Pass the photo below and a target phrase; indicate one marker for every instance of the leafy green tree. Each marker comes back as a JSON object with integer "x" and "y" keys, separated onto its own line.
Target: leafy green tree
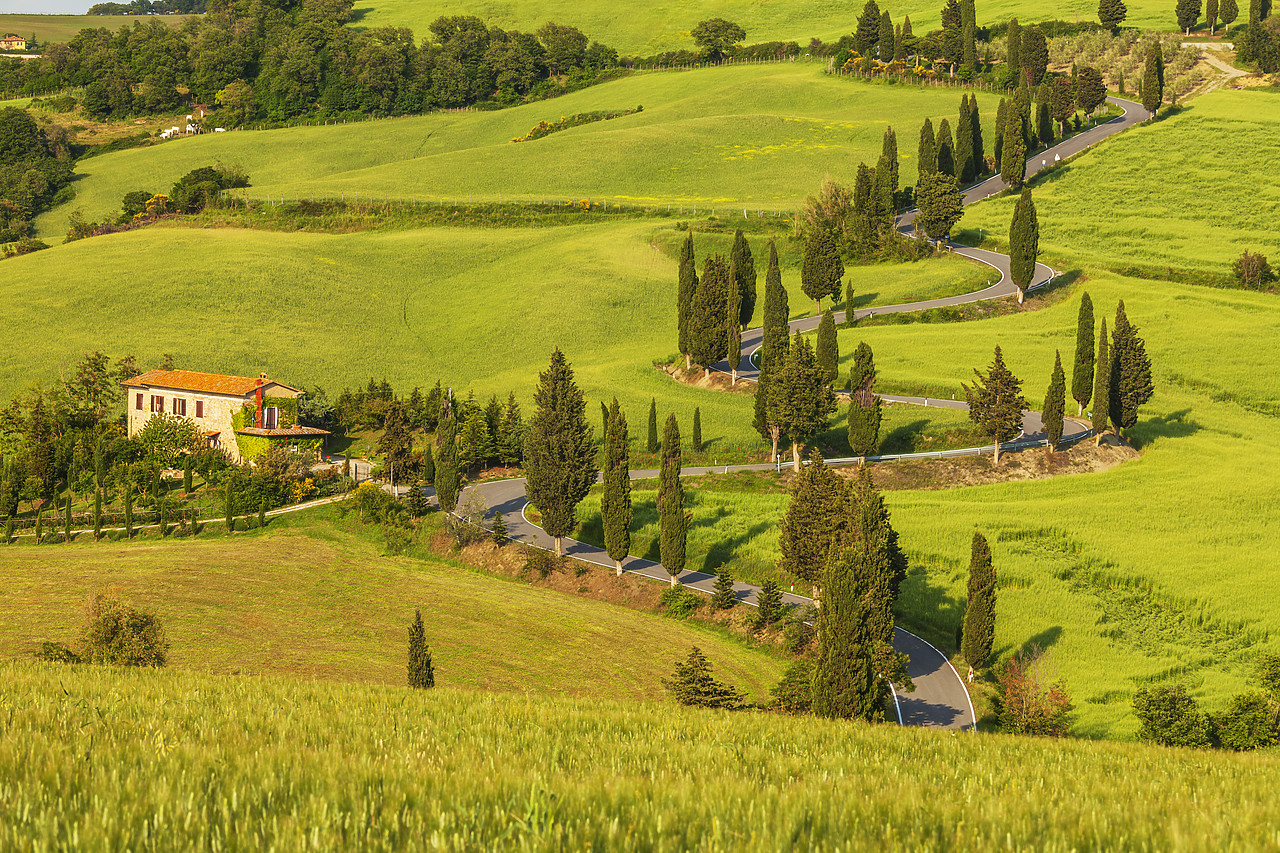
{"x": 979, "y": 630}
{"x": 964, "y": 166}
{"x": 560, "y": 453}
{"x": 651, "y": 438}
{"x": 717, "y": 38}
{"x": 801, "y": 399}
{"x": 1082, "y": 373}
{"x": 421, "y": 672}
{"x": 1228, "y": 11}
{"x": 1024, "y": 243}
{"x": 946, "y": 150}
{"x": 745, "y": 276}
{"x": 1101, "y": 383}
{"x": 693, "y": 685}
{"x": 673, "y": 524}
{"x": 1248, "y": 723}
{"x": 821, "y": 269}
{"x": 996, "y": 403}
{"x": 448, "y": 477}
{"x": 708, "y": 329}
{"x": 768, "y": 605}
{"x": 1170, "y": 717}
{"x": 1152, "y": 87}
{"x": 723, "y": 597}
{"x": 1130, "y": 384}
{"x": 685, "y": 293}
{"x": 615, "y": 502}
{"x": 1253, "y": 270}
{"x": 566, "y": 47}
{"x": 814, "y": 520}
{"x": 941, "y": 205}
{"x": 697, "y": 429}
{"x": 867, "y": 33}
{"x": 1111, "y": 13}
{"x": 1268, "y": 674}
{"x": 926, "y": 153}
{"x": 1188, "y": 12}
{"x": 827, "y": 348}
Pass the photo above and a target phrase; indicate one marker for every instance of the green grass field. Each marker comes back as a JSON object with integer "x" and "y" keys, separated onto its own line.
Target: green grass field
{"x": 648, "y": 29}
{"x": 727, "y": 138}
{"x": 62, "y": 28}
{"x": 1130, "y": 202}
{"x": 312, "y": 597}
{"x": 105, "y": 759}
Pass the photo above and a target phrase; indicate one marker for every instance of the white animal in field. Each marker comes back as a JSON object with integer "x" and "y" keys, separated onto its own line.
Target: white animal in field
{"x": 219, "y": 130}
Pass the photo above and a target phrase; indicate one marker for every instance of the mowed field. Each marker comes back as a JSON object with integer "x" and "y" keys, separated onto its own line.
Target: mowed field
{"x": 313, "y": 597}
{"x": 63, "y": 28}
{"x": 643, "y": 30}
{"x": 1191, "y": 191}
{"x": 756, "y": 137}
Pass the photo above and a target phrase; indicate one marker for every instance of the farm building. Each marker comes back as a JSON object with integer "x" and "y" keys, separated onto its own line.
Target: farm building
{"x": 241, "y": 415}
{"x": 12, "y": 42}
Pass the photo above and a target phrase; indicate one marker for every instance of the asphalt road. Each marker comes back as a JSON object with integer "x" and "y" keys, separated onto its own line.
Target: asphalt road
{"x": 941, "y": 699}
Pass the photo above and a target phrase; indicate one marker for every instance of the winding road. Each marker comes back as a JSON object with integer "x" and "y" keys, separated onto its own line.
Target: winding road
{"x": 940, "y": 699}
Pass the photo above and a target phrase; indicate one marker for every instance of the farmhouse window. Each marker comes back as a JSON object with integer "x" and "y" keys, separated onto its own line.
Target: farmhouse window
{"x": 199, "y": 408}
{"x": 157, "y": 403}
{"x": 179, "y": 407}
{"x": 138, "y": 405}
{"x": 271, "y": 417}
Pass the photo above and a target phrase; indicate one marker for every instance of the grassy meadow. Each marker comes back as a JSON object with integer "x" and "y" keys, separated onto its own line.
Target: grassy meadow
{"x": 1191, "y": 191}
{"x": 649, "y": 29}
{"x": 759, "y": 137}
{"x": 313, "y": 597}
{"x": 63, "y": 28}
{"x": 268, "y": 763}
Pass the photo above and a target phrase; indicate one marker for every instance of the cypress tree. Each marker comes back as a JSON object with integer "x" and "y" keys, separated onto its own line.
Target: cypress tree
{"x": 801, "y": 399}
{"x": 1002, "y": 116}
{"x": 940, "y": 205}
{"x": 745, "y": 275}
{"x": 40, "y": 525}
{"x": 1152, "y": 89}
{"x": 899, "y": 45}
{"x": 865, "y": 237}
{"x": 978, "y": 151}
{"x": 66, "y": 519}
{"x": 97, "y": 514}
{"x": 1188, "y": 12}
{"x": 1024, "y": 243}
{"x": 1111, "y": 13}
{"x": 996, "y": 403}
{"x": 262, "y": 516}
{"x": 651, "y": 439}
{"x": 882, "y": 209}
{"x": 1130, "y": 385}
{"x": 128, "y": 510}
{"x": 908, "y": 39}
{"x": 964, "y": 170}
{"x": 1101, "y": 383}
{"x": 1055, "y": 401}
{"x": 814, "y": 520}
{"x": 672, "y": 523}
{"x": 604, "y": 423}
{"x": 1228, "y": 11}
{"x": 688, "y": 286}
{"x": 429, "y": 463}
{"x": 867, "y": 32}
{"x": 862, "y": 373}
{"x": 869, "y": 521}
{"x": 1035, "y": 55}
{"x": 421, "y": 672}
{"x": 827, "y": 348}
{"x": 1013, "y": 50}
{"x": 560, "y": 452}
{"x": 768, "y": 604}
{"x": 155, "y": 484}
{"x": 844, "y": 672}
{"x": 885, "y": 43}
{"x": 849, "y": 311}
{"x": 448, "y": 478}
{"x": 926, "y": 153}
{"x": 970, "y": 57}
{"x": 822, "y": 269}
{"x": 723, "y": 597}
{"x": 979, "y": 631}
{"x": 733, "y": 331}
{"x": 1013, "y": 150}
{"x": 1044, "y": 124}
{"x": 615, "y": 502}
{"x": 946, "y": 150}
{"x": 186, "y": 474}
{"x": 889, "y": 158}
{"x": 162, "y": 519}
{"x": 697, "y": 429}
{"x": 773, "y": 349}
{"x": 511, "y": 434}
{"x": 864, "y": 425}
{"x": 1082, "y": 373}
{"x": 708, "y": 330}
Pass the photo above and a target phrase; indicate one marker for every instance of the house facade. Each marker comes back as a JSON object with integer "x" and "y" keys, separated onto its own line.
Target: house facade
{"x": 12, "y": 42}
{"x": 240, "y": 415}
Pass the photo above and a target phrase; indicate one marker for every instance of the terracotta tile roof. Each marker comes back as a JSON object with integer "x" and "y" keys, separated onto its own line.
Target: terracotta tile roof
{"x": 209, "y": 383}
{"x": 294, "y": 431}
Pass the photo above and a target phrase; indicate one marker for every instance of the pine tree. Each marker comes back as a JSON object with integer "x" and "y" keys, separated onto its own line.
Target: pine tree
{"x": 773, "y": 349}
{"x": 651, "y": 439}
{"x": 827, "y": 348}
{"x": 1111, "y": 13}
{"x": 979, "y": 631}
{"x": 1130, "y": 383}
{"x": 615, "y": 502}
{"x": 708, "y": 330}
{"x": 745, "y": 275}
{"x": 926, "y": 153}
{"x": 560, "y": 452}
{"x": 448, "y": 478}
{"x": 1055, "y": 401}
{"x": 1024, "y": 243}
{"x": 821, "y": 269}
{"x": 1152, "y": 88}
{"x": 844, "y": 672}
{"x": 684, "y": 296}
{"x": 186, "y": 474}
{"x": 946, "y": 150}
{"x": 768, "y": 604}
{"x": 97, "y": 514}
{"x": 1082, "y": 373}
{"x": 672, "y": 523}
{"x": 801, "y": 399}
{"x": 228, "y": 508}
{"x": 417, "y": 499}
{"x": 723, "y": 597}
{"x": 421, "y": 673}
{"x": 694, "y": 685}
{"x": 1013, "y": 150}
{"x": 814, "y": 519}
{"x": 996, "y": 403}
{"x": 1101, "y": 383}
{"x": 964, "y": 170}
{"x": 867, "y": 32}
{"x": 697, "y": 429}
{"x": 1188, "y": 12}
{"x": 499, "y": 536}
{"x": 733, "y": 331}
{"x": 511, "y": 434}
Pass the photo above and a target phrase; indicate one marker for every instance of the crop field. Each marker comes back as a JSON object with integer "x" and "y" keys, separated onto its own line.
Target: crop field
{"x": 755, "y": 137}
{"x": 312, "y": 597}
{"x": 1191, "y": 191}
{"x": 649, "y": 29}
{"x": 241, "y": 762}
{"x": 62, "y": 28}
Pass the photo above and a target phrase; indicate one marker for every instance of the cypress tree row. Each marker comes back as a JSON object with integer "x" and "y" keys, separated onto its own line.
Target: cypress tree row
{"x": 979, "y": 631}
{"x": 684, "y": 296}
{"x": 708, "y": 329}
{"x": 615, "y": 503}
{"x": 697, "y": 429}
{"x": 801, "y": 399}
{"x": 814, "y": 520}
{"x": 560, "y": 453}
{"x": 822, "y": 269}
{"x": 1024, "y": 243}
{"x": 745, "y": 276}
{"x": 827, "y": 347}
{"x": 651, "y": 438}
{"x": 672, "y": 524}
{"x": 773, "y": 349}
{"x": 996, "y": 403}
{"x": 1130, "y": 383}
{"x": 421, "y": 673}
{"x": 1055, "y": 402}
{"x": 448, "y": 477}
{"x": 964, "y": 170}
{"x": 946, "y": 150}
{"x": 733, "y": 332}
{"x": 1082, "y": 373}
{"x": 1101, "y": 383}
{"x": 927, "y": 153}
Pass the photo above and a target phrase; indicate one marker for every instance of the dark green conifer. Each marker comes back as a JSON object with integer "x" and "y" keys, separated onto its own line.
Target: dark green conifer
{"x": 979, "y": 631}
{"x": 768, "y": 604}
{"x": 978, "y": 151}
{"x": 560, "y": 452}
{"x": 745, "y": 275}
{"x": 128, "y": 510}
{"x": 964, "y": 170}
{"x": 1013, "y": 150}
{"x": 814, "y": 519}
{"x": 827, "y": 347}
{"x": 1044, "y": 124}
{"x": 262, "y": 516}
{"x": 773, "y": 349}
{"x": 865, "y": 237}
{"x": 651, "y": 438}
{"x": 615, "y": 502}
{"x": 844, "y": 672}
{"x": 1130, "y": 383}
{"x": 926, "y": 153}
{"x": 889, "y": 158}
{"x": 867, "y": 32}
{"x": 884, "y": 44}
{"x": 693, "y": 685}
{"x": 821, "y": 269}
{"x": 708, "y": 331}
{"x": 801, "y": 399}
{"x": 723, "y": 597}
{"x": 1035, "y": 55}
{"x": 672, "y": 523}
{"x": 1082, "y": 373}
{"x": 1024, "y": 243}
{"x": 946, "y": 150}
{"x": 1101, "y": 383}
{"x": 417, "y": 498}
{"x": 1055, "y": 401}
{"x": 1152, "y": 87}
{"x": 688, "y": 286}
{"x": 186, "y": 474}
{"x": 448, "y": 477}
{"x": 996, "y": 403}
{"x": 869, "y": 520}
{"x": 733, "y": 331}
{"x": 697, "y": 429}
{"x": 499, "y": 536}
{"x": 864, "y": 425}
{"x": 421, "y": 672}
{"x": 66, "y": 519}
{"x": 40, "y": 525}
{"x": 1002, "y": 115}
{"x": 1013, "y": 52}
{"x": 429, "y": 463}
{"x": 1111, "y": 13}
{"x": 97, "y": 514}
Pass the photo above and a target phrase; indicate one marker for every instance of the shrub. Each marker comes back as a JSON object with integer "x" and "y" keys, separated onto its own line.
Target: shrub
{"x": 115, "y": 633}
{"x": 538, "y": 561}
{"x": 1269, "y": 675}
{"x": 797, "y": 630}
{"x": 1252, "y": 270}
{"x": 1248, "y": 723}
{"x": 1028, "y": 702}
{"x": 680, "y": 602}
{"x": 1170, "y": 717}
{"x": 694, "y": 685}
{"x": 57, "y": 653}
{"x": 396, "y": 538}
{"x": 794, "y": 693}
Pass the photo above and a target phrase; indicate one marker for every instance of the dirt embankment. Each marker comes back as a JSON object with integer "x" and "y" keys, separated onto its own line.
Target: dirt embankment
{"x": 713, "y": 381}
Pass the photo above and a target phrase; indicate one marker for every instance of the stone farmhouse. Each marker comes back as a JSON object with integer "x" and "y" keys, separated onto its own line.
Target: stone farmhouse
{"x": 12, "y": 42}
{"x": 242, "y": 416}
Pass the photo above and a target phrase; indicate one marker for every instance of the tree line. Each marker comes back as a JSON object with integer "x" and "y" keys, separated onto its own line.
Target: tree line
{"x": 32, "y": 173}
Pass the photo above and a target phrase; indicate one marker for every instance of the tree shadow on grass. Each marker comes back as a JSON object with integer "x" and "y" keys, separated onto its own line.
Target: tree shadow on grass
{"x": 929, "y": 609}
{"x": 1042, "y": 642}
{"x": 721, "y": 553}
{"x": 1172, "y": 425}
{"x": 903, "y": 439}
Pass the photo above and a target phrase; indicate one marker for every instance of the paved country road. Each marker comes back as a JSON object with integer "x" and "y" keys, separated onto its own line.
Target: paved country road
{"x": 940, "y": 699}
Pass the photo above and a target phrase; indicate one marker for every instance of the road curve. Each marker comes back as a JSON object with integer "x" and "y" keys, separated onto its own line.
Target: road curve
{"x": 941, "y": 699}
